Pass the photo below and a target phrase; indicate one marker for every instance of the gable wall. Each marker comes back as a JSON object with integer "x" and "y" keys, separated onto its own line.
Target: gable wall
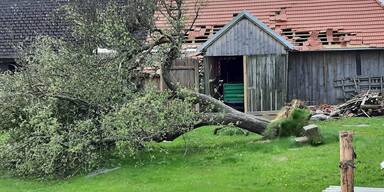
{"x": 245, "y": 38}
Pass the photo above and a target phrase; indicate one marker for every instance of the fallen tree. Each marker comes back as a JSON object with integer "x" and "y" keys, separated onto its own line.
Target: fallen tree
{"x": 67, "y": 110}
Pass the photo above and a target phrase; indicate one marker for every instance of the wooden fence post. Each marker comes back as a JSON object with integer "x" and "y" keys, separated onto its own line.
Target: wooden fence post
{"x": 347, "y": 156}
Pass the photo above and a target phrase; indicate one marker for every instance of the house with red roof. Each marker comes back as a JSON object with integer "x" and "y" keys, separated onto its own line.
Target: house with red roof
{"x": 260, "y": 54}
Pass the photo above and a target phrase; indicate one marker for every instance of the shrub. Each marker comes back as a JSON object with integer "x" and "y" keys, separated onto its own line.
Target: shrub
{"x": 290, "y": 126}
{"x": 66, "y": 111}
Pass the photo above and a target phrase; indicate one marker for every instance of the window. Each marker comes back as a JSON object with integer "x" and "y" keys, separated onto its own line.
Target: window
{"x": 358, "y": 63}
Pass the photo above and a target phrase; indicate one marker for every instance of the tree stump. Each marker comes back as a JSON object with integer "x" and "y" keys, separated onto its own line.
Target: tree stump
{"x": 313, "y": 134}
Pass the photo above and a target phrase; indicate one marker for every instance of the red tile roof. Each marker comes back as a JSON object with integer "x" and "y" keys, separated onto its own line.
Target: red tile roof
{"x": 308, "y": 24}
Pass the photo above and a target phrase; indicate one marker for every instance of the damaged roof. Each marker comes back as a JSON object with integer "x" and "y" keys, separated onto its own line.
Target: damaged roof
{"x": 307, "y": 24}
{"x": 23, "y": 20}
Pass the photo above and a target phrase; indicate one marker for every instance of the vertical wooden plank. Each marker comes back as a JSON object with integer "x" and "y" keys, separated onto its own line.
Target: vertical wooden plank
{"x": 291, "y": 74}
{"x": 265, "y": 92}
{"x": 330, "y": 63}
{"x": 245, "y": 36}
{"x": 245, "y": 80}
{"x": 323, "y": 71}
{"x": 285, "y": 84}
{"x": 271, "y": 77}
{"x": 346, "y": 161}
{"x": 256, "y": 74}
{"x": 303, "y": 81}
{"x": 299, "y": 61}
{"x": 196, "y": 75}
{"x": 207, "y": 69}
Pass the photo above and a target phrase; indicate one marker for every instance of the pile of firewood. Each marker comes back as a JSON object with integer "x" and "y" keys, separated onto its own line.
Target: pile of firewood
{"x": 367, "y": 104}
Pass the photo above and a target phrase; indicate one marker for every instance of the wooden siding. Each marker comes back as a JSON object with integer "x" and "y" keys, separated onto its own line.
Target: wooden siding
{"x": 245, "y": 38}
{"x": 211, "y": 72}
{"x": 185, "y": 71}
{"x": 267, "y": 87}
{"x": 312, "y": 74}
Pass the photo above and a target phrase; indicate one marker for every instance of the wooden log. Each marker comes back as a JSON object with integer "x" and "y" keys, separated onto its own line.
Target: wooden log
{"x": 371, "y": 106}
{"x": 302, "y": 140}
{"x": 346, "y": 161}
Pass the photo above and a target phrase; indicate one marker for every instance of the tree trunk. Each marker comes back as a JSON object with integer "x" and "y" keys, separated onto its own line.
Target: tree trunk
{"x": 238, "y": 119}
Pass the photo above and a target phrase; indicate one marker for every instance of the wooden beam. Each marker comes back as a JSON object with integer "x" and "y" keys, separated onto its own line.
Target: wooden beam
{"x": 207, "y": 75}
{"x": 245, "y": 77}
{"x": 347, "y": 156}
{"x": 161, "y": 82}
{"x": 196, "y": 73}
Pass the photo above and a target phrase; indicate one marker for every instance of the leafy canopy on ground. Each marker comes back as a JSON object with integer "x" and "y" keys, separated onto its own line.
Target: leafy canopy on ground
{"x": 208, "y": 162}
{"x": 67, "y": 110}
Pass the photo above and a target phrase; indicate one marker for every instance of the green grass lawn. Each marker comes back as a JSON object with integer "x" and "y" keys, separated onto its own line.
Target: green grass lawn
{"x": 201, "y": 161}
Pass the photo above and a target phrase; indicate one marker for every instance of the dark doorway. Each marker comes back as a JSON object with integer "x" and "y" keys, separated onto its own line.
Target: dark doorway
{"x": 231, "y": 69}
{"x": 228, "y": 84}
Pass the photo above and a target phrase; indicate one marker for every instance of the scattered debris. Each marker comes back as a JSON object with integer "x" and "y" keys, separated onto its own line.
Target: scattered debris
{"x": 102, "y": 171}
{"x": 362, "y": 105}
{"x": 320, "y": 117}
{"x": 322, "y": 112}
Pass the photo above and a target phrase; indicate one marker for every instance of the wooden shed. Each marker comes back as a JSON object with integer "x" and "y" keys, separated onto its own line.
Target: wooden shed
{"x": 246, "y": 65}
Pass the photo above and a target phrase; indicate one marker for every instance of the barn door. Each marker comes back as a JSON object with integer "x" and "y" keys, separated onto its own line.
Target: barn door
{"x": 266, "y": 82}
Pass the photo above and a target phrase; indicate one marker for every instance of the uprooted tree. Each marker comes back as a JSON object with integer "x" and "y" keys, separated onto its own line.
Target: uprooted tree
{"x": 67, "y": 110}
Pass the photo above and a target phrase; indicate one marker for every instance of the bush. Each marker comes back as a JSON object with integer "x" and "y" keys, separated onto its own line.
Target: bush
{"x": 291, "y": 126}
{"x": 65, "y": 112}
{"x": 41, "y": 145}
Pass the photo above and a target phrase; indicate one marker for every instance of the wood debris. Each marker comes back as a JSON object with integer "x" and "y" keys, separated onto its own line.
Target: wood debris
{"x": 362, "y": 105}
{"x": 366, "y": 104}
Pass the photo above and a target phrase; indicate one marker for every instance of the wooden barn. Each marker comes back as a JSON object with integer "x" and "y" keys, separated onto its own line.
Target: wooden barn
{"x": 318, "y": 51}
{"x": 255, "y": 69}
{"x": 251, "y": 61}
